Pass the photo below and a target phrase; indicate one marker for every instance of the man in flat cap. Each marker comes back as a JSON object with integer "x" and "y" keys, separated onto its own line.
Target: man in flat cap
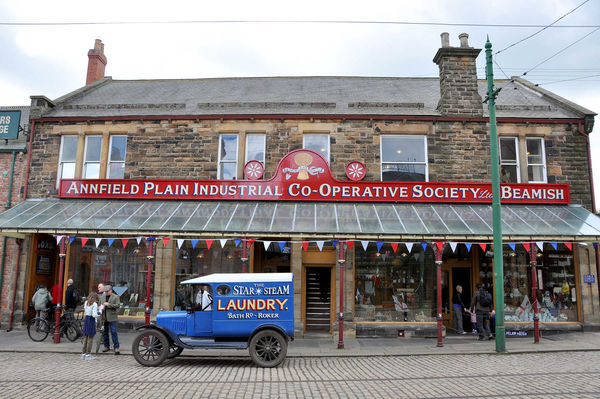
{"x": 111, "y": 304}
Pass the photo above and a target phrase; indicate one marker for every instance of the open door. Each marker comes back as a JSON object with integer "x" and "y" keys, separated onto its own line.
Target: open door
{"x": 455, "y": 273}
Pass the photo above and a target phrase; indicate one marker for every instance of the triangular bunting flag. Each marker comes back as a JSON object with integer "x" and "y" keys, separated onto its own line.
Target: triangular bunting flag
{"x": 569, "y": 245}
{"x": 150, "y": 239}
{"x": 165, "y": 241}
{"x": 394, "y": 246}
{"x": 194, "y": 243}
{"x": 554, "y": 245}
{"x": 281, "y": 245}
{"x": 267, "y": 244}
{"x": 71, "y": 239}
{"x": 208, "y": 243}
{"x": 320, "y": 245}
{"x": 379, "y": 245}
{"x": 350, "y": 245}
{"x": 179, "y": 242}
{"x": 237, "y": 242}
{"x": 305, "y": 245}
{"x": 365, "y": 244}
{"x": 138, "y": 239}
{"x": 110, "y": 241}
{"x": 540, "y": 245}
{"x": 84, "y": 241}
{"x": 439, "y": 245}
{"x": 453, "y": 246}
{"x": 59, "y": 239}
{"x": 334, "y": 243}
{"x": 595, "y": 245}
{"x": 512, "y": 246}
{"x": 468, "y": 245}
{"x": 250, "y": 242}
{"x": 526, "y": 246}
{"x": 424, "y": 245}
{"x": 97, "y": 241}
{"x": 124, "y": 241}
{"x": 483, "y": 246}
{"x": 223, "y": 241}
{"x": 409, "y": 246}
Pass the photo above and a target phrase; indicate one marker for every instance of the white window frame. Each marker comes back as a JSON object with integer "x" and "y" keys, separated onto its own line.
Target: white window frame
{"x": 327, "y": 135}
{"x": 85, "y": 162}
{"x": 237, "y": 145}
{"x": 108, "y": 161}
{"x": 59, "y": 173}
{"x": 543, "y": 164}
{"x": 517, "y": 156}
{"x": 426, "y": 163}
{"x": 264, "y": 138}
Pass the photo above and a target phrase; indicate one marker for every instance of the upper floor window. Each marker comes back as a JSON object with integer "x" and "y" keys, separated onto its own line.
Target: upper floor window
{"x": 318, "y": 142}
{"x": 91, "y": 157}
{"x": 228, "y": 157}
{"x": 509, "y": 160}
{"x": 255, "y": 148}
{"x": 116, "y": 157}
{"x": 68, "y": 157}
{"x": 536, "y": 160}
{"x": 404, "y": 158}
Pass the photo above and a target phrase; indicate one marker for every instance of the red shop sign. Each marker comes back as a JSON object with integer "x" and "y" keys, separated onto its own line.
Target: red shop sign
{"x": 304, "y": 175}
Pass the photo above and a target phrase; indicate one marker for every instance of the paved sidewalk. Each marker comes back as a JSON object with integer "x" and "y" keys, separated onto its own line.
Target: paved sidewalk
{"x": 323, "y": 346}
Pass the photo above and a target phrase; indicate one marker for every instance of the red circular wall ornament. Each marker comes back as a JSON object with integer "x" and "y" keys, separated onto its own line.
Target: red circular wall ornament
{"x": 356, "y": 171}
{"x": 254, "y": 170}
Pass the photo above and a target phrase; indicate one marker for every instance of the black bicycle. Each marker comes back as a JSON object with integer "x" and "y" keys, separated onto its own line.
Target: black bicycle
{"x": 39, "y": 328}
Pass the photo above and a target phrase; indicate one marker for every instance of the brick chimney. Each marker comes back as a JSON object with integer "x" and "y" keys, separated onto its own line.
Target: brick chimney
{"x": 96, "y": 63}
{"x": 458, "y": 78}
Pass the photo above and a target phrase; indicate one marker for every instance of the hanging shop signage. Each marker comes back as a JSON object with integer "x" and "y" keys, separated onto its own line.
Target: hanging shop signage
{"x": 9, "y": 124}
{"x": 304, "y": 175}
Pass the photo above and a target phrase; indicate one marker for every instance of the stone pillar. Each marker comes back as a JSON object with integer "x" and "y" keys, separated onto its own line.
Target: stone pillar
{"x": 459, "y": 95}
{"x": 296, "y": 268}
{"x": 163, "y": 276}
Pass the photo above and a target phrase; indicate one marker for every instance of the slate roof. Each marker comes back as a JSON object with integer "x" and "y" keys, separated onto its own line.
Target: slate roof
{"x": 296, "y": 95}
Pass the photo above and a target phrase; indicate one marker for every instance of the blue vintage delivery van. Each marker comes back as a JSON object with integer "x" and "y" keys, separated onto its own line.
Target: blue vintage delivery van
{"x": 229, "y": 310}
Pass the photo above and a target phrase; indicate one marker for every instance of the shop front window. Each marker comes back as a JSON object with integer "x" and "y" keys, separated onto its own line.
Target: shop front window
{"x": 556, "y": 291}
{"x": 199, "y": 260}
{"x": 394, "y": 286}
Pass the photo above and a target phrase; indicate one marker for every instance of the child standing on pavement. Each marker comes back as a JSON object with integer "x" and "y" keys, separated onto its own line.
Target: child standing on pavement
{"x": 89, "y": 324}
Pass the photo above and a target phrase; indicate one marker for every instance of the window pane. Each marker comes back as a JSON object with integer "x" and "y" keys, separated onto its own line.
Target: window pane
{"x": 116, "y": 170}
{"x": 534, "y": 147}
{"x": 69, "y": 148}
{"x": 402, "y": 149}
{"x": 318, "y": 143}
{"x": 508, "y": 173}
{"x": 92, "y": 149}
{"x": 91, "y": 171}
{"x": 68, "y": 170}
{"x": 403, "y": 172}
{"x": 118, "y": 148}
{"x": 508, "y": 151}
{"x": 255, "y": 147}
{"x": 228, "y": 171}
{"x": 535, "y": 173}
{"x": 228, "y": 148}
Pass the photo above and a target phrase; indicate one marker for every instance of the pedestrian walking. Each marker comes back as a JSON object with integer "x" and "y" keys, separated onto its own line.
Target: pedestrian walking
{"x": 89, "y": 324}
{"x": 100, "y": 323}
{"x": 457, "y": 307}
{"x": 482, "y": 303}
{"x": 111, "y": 304}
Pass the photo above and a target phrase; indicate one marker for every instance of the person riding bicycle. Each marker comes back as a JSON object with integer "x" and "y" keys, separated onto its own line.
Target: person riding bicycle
{"x": 41, "y": 300}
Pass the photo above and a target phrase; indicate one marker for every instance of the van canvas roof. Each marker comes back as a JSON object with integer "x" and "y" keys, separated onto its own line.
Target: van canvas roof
{"x": 241, "y": 278}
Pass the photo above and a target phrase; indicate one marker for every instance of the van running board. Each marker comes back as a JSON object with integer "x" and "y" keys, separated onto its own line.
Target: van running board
{"x": 211, "y": 344}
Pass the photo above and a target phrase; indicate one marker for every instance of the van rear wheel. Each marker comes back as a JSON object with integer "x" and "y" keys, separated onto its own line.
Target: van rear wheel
{"x": 150, "y": 348}
{"x": 268, "y": 348}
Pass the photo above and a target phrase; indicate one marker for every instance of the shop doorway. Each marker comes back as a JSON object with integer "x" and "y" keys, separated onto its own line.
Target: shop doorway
{"x": 456, "y": 273}
{"x": 318, "y": 299}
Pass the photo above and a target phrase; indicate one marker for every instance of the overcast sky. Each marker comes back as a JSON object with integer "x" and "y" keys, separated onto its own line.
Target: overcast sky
{"x": 52, "y": 60}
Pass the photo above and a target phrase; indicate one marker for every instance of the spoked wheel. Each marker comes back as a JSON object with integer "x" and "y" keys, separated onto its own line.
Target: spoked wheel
{"x": 38, "y": 329}
{"x": 268, "y": 348}
{"x": 72, "y": 332}
{"x": 150, "y": 348}
{"x": 174, "y": 351}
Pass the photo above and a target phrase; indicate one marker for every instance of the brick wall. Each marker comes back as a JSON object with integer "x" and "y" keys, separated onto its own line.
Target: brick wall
{"x": 187, "y": 149}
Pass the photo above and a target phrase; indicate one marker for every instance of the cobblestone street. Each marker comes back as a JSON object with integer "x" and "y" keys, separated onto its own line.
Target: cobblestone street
{"x": 538, "y": 375}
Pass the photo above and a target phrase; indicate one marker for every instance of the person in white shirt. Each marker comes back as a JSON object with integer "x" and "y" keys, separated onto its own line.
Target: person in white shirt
{"x": 204, "y": 298}
{"x": 89, "y": 324}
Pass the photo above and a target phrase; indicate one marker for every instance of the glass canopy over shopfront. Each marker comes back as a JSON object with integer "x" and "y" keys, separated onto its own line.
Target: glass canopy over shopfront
{"x": 402, "y": 221}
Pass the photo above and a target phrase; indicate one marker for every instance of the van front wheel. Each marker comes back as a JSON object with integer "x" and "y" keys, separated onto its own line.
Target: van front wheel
{"x": 268, "y": 348}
